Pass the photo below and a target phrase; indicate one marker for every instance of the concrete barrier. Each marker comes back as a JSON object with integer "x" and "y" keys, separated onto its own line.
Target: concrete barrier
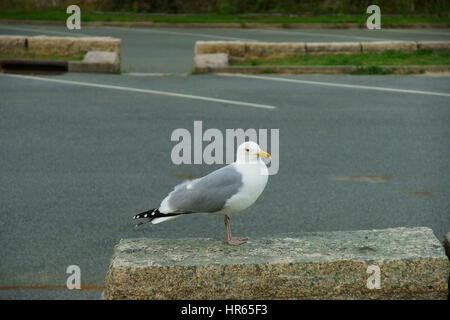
{"x": 12, "y": 44}
{"x": 248, "y": 50}
{"x": 241, "y": 50}
{"x": 102, "y": 54}
{"x": 96, "y": 61}
{"x": 48, "y": 46}
{"x": 43, "y": 45}
{"x": 410, "y": 263}
{"x": 434, "y": 45}
{"x": 219, "y": 60}
{"x": 328, "y": 48}
{"x": 231, "y": 48}
{"x": 380, "y": 46}
{"x": 274, "y": 50}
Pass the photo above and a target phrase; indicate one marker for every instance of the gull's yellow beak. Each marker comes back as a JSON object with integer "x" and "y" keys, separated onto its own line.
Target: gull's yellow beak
{"x": 263, "y": 154}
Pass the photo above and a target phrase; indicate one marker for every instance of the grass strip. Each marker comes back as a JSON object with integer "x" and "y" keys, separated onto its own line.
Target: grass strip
{"x": 394, "y": 58}
{"x": 243, "y": 19}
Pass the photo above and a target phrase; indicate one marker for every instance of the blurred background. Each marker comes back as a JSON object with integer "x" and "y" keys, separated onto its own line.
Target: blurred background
{"x": 243, "y": 11}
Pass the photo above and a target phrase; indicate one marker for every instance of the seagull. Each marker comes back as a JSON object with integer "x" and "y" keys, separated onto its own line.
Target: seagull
{"x": 228, "y": 190}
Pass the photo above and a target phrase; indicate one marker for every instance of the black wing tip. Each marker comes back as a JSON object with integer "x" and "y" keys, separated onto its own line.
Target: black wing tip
{"x": 153, "y": 214}
{"x": 146, "y": 214}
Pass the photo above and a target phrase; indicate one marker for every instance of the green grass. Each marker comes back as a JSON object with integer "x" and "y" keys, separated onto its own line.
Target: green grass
{"x": 420, "y": 57}
{"x": 242, "y": 19}
{"x": 77, "y": 57}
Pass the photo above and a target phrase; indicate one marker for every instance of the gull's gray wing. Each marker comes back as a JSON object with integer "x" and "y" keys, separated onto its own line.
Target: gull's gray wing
{"x": 206, "y": 194}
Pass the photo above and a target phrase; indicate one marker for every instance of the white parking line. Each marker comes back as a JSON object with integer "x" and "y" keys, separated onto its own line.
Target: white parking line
{"x": 44, "y": 31}
{"x": 192, "y": 34}
{"x": 341, "y": 85}
{"x": 164, "y": 93}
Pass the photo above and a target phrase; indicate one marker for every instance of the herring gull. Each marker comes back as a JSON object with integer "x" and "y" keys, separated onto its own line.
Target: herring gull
{"x": 227, "y": 190}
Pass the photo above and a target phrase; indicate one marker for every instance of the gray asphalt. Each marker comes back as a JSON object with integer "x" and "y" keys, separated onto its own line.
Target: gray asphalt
{"x": 78, "y": 162}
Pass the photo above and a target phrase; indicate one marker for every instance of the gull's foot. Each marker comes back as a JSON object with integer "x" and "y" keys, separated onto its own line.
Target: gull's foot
{"x": 236, "y": 241}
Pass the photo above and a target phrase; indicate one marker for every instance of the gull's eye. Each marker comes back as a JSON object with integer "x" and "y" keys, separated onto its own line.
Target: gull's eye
{"x": 247, "y": 150}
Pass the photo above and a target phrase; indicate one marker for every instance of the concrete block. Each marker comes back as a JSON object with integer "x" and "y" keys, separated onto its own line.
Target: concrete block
{"x": 317, "y": 265}
{"x": 101, "y": 57}
{"x": 98, "y": 44}
{"x": 380, "y": 46}
{"x": 232, "y": 48}
{"x": 80, "y": 66}
{"x": 45, "y": 46}
{"x": 434, "y": 45}
{"x": 12, "y": 44}
{"x": 329, "y": 48}
{"x": 219, "y": 60}
{"x": 97, "y": 61}
{"x": 274, "y": 49}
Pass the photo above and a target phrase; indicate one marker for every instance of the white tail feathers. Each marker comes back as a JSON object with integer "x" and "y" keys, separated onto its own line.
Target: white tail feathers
{"x": 162, "y": 219}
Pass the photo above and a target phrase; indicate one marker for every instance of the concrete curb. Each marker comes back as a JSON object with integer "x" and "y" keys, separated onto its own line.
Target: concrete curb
{"x": 102, "y": 54}
{"x": 319, "y": 69}
{"x": 324, "y": 48}
{"x": 145, "y": 24}
{"x": 319, "y": 265}
{"x": 247, "y": 50}
{"x": 97, "y": 61}
{"x": 48, "y": 46}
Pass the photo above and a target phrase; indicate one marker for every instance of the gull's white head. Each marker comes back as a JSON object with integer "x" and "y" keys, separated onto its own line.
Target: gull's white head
{"x": 250, "y": 152}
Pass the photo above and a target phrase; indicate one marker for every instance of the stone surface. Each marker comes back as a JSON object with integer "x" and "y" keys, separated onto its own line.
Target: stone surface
{"x": 97, "y": 61}
{"x": 434, "y": 45}
{"x": 101, "y": 57}
{"x": 102, "y": 53}
{"x": 47, "y": 46}
{"x": 101, "y": 67}
{"x": 319, "y": 48}
{"x": 319, "y": 265}
{"x": 219, "y": 60}
{"x": 232, "y": 48}
{"x": 274, "y": 49}
{"x": 12, "y": 44}
{"x": 380, "y": 46}
{"x": 240, "y": 50}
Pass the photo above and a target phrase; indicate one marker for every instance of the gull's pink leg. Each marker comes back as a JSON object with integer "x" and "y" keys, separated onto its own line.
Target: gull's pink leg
{"x": 228, "y": 238}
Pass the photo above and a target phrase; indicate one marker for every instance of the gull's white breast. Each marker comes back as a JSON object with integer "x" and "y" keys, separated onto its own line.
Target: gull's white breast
{"x": 254, "y": 180}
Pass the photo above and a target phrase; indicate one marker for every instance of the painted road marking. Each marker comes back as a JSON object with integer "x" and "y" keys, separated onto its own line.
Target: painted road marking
{"x": 341, "y": 85}
{"x": 164, "y": 93}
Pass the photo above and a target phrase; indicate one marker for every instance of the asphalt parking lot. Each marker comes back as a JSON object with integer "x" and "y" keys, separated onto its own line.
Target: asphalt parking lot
{"x": 82, "y": 153}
